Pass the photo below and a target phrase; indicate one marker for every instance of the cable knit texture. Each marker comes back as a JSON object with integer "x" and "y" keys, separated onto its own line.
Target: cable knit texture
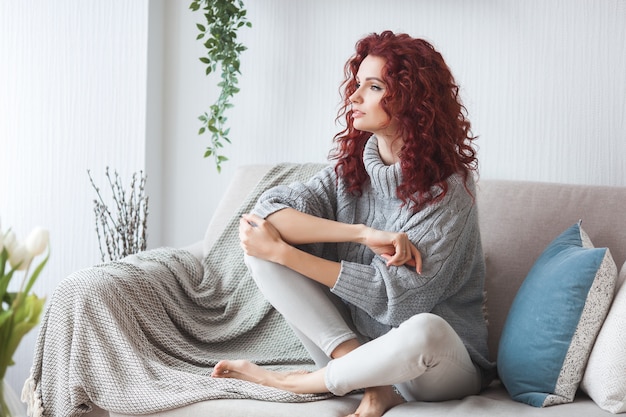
{"x": 446, "y": 234}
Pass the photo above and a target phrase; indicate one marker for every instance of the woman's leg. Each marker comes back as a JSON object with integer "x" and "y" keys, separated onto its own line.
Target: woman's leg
{"x": 318, "y": 317}
{"x": 424, "y": 358}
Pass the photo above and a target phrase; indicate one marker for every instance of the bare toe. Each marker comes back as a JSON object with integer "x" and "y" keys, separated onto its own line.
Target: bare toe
{"x": 222, "y": 369}
{"x": 376, "y": 401}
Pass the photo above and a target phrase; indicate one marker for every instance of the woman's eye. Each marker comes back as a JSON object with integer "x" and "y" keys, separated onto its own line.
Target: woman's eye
{"x": 375, "y": 87}
{"x": 358, "y": 85}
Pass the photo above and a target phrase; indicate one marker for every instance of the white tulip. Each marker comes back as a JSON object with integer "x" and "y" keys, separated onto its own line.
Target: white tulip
{"x": 10, "y": 241}
{"x": 20, "y": 257}
{"x": 1, "y": 240}
{"x": 37, "y": 241}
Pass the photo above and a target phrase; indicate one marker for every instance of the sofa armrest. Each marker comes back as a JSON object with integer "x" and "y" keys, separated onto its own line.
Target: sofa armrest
{"x": 196, "y": 249}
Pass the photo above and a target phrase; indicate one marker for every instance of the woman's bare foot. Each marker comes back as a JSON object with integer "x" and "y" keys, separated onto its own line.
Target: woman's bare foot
{"x": 246, "y": 371}
{"x": 299, "y": 382}
{"x": 376, "y": 401}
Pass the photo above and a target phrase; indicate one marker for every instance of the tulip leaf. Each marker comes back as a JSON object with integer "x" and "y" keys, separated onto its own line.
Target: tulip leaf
{"x": 3, "y": 261}
{"x": 36, "y": 273}
{"x": 4, "y": 316}
{"x": 4, "y": 284}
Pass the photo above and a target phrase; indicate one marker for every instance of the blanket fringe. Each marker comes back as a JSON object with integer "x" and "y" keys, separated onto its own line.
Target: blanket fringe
{"x": 32, "y": 398}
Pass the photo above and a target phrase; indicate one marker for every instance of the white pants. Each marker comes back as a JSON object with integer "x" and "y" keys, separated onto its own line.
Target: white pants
{"x": 424, "y": 357}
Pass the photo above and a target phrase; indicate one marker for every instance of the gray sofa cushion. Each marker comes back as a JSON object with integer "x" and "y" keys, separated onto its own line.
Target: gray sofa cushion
{"x": 493, "y": 402}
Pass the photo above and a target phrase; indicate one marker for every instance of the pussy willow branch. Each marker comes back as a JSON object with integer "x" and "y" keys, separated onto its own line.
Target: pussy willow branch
{"x": 124, "y": 233}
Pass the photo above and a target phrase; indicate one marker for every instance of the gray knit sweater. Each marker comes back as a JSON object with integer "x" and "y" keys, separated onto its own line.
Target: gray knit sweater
{"x": 381, "y": 297}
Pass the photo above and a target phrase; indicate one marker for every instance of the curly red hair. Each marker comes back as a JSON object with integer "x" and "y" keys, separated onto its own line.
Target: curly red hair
{"x": 423, "y": 98}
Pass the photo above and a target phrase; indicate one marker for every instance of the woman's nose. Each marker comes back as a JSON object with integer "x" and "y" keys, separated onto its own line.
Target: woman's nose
{"x": 355, "y": 97}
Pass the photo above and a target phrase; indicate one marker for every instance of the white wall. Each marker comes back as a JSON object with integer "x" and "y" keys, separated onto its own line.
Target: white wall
{"x": 544, "y": 83}
{"x": 72, "y": 98}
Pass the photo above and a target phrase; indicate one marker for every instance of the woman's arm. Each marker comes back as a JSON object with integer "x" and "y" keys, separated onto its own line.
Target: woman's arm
{"x": 272, "y": 239}
{"x": 298, "y": 228}
{"x": 259, "y": 238}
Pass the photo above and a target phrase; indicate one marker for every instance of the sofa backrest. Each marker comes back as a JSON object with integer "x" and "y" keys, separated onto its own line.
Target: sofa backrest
{"x": 518, "y": 219}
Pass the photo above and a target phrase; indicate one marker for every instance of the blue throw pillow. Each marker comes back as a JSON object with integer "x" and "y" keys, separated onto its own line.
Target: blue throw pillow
{"x": 554, "y": 320}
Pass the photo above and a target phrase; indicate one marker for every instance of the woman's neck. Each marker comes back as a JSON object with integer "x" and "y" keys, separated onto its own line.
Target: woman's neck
{"x": 389, "y": 149}
{"x": 384, "y": 178}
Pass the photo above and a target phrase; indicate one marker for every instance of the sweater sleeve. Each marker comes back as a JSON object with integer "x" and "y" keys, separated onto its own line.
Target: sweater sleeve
{"x": 317, "y": 196}
{"x": 446, "y": 234}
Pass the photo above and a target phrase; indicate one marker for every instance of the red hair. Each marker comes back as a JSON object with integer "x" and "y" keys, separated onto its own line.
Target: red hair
{"x": 423, "y": 98}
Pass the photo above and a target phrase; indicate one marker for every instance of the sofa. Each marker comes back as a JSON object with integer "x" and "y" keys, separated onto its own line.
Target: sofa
{"x": 518, "y": 221}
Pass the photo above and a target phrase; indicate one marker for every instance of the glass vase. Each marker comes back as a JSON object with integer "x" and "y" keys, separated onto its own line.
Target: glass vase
{"x": 10, "y": 404}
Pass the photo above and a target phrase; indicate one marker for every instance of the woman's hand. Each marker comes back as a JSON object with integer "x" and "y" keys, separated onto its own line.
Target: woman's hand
{"x": 395, "y": 247}
{"x": 259, "y": 238}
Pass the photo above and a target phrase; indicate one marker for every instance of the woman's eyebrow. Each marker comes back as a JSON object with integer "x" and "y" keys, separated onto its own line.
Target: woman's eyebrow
{"x": 374, "y": 79}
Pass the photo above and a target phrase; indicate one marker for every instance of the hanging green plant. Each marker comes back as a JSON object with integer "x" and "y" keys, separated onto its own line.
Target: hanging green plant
{"x": 223, "y": 19}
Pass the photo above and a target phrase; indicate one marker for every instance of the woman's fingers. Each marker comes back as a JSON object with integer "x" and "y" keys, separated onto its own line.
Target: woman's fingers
{"x": 247, "y": 223}
{"x": 395, "y": 247}
{"x": 416, "y": 258}
{"x": 401, "y": 245}
{"x": 406, "y": 253}
{"x": 244, "y": 233}
{"x": 257, "y": 236}
{"x": 390, "y": 262}
{"x": 252, "y": 219}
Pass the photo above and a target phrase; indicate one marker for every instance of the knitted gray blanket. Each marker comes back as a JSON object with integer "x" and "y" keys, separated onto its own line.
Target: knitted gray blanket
{"x": 142, "y": 335}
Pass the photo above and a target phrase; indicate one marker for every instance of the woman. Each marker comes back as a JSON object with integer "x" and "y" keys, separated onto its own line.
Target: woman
{"x": 395, "y": 295}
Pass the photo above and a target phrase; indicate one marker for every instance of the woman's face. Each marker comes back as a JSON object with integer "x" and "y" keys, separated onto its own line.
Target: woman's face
{"x": 367, "y": 112}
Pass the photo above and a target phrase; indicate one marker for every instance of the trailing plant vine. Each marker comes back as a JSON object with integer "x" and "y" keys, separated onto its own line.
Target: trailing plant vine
{"x": 223, "y": 19}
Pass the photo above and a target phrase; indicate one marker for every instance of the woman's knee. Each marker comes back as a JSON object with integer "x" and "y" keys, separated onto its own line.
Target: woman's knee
{"x": 425, "y": 332}
{"x": 250, "y": 261}
{"x": 269, "y": 277}
{"x": 260, "y": 268}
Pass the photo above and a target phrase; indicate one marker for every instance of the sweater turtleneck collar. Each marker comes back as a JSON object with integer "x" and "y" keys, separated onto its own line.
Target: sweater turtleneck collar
{"x": 384, "y": 178}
